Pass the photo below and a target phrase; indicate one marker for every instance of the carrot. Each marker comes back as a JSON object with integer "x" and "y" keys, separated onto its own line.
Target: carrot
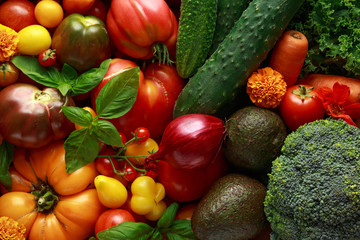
{"x": 325, "y": 80}
{"x": 289, "y": 54}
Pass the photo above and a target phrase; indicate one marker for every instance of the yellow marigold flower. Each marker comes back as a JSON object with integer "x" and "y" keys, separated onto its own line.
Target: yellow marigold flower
{"x": 11, "y": 229}
{"x": 266, "y": 87}
{"x": 9, "y": 41}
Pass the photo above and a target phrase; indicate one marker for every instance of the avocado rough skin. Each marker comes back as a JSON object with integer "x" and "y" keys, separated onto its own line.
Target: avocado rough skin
{"x": 254, "y": 139}
{"x": 232, "y": 209}
{"x": 314, "y": 185}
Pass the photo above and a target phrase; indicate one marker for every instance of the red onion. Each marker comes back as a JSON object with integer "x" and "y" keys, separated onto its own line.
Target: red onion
{"x": 190, "y": 141}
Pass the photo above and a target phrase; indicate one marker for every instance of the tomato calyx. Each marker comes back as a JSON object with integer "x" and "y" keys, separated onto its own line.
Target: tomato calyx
{"x": 4, "y": 68}
{"x": 48, "y": 54}
{"x": 45, "y": 198}
{"x": 303, "y": 92}
{"x": 161, "y": 53}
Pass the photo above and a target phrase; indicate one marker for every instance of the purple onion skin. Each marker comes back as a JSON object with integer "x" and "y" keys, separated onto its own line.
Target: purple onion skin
{"x": 191, "y": 141}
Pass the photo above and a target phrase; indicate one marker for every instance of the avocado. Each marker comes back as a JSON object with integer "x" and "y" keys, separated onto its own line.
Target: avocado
{"x": 254, "y": 139}
{"x": 231, "y": 209}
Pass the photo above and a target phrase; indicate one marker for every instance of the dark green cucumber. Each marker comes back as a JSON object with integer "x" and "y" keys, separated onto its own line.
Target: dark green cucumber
{"x": 196, "y": 29}
{"x": 223, "y": 77}
{"x": 228, "y": 12}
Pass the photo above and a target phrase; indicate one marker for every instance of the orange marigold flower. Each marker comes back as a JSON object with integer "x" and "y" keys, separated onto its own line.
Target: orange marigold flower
{"x": 266, "y": 87}
{"x": 11, "y": 229}
{"x": 9, "y": 41}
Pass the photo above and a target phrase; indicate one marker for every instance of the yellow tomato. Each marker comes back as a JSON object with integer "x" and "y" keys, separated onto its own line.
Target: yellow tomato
{"x": 89, "y": 109}
{"x": 49, "y": 13}
{"x": 111, "y": 192}
{"x": 33, "y": 40}
{"x": 137, "y": 152}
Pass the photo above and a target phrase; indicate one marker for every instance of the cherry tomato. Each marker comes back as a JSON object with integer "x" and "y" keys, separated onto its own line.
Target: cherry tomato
{"x": 142, "y": 134}
{"x": 296, "y": 111}
{"x": 137, "y": 152}
{"x": 112, "y": 217}
{"x": 47, "y": 58}
{"x": 17, "y": 14}
{"x": 9, "y": 74}
{"x": 103, "y": 164}
{"x": 49, "y": 13}
{"x": 77, "y": 6}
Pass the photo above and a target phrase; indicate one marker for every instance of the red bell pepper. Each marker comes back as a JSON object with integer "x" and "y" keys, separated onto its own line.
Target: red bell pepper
{"x": 138, "y": 26}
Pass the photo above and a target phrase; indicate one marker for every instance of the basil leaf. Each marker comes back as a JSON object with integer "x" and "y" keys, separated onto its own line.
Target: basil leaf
{"x": 157, "y": 235}
{"x": 127, "y": 231}
{"x": 168, "y": 216}
{"x": 6, "y": 157}
{"x": 106, "y": 132}
{"x": 181, "y": 229}
{"x": 90, "y": 79}
{"x": 81, "y": 148}
{"x": 69, "y": 73}
{"x": 118, "y": 95}
{"x": 31, "y": 67}
{"x": 78, "y": 115}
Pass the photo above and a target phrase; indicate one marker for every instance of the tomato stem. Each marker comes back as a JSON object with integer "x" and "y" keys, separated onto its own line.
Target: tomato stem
{"x": 45, "y": 199}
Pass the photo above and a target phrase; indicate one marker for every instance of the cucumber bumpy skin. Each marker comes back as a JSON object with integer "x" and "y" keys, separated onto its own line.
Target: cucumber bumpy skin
{"x": 196, "y": 29}
{"x": 228, "y": 12}
{"x": 223, "y": 77}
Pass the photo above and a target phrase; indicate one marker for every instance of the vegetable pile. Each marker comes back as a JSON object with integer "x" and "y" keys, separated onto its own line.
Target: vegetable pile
{"x": 179, "y": 119}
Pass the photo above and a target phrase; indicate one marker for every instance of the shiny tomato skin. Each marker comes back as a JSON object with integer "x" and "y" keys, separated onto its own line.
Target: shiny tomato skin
{"x": 17, "y": 14}
{"x": 32, "y": 118}
{"x": 77, "y": 6}
{"x": 9, "y": 74}
{"x": 78, "y": 207}
{"x": 112, "y": 217}
{"x": 98, "y": 9}
{"x": 159, "y": 87}
{"x": 295, "y": 112}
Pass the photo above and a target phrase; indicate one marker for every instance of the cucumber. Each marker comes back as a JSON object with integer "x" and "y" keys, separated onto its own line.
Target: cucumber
{"x": 228, "y": 12}
{"x": 196, "y": 29}
{"x": 222, "y": 78}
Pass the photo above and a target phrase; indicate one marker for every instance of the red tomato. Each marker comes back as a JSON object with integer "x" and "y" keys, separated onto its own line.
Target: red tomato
{"x": 296, "y": 111}
{"x": 185, "y": 186}
{"x": 112, "y": 217}
{"x": 47, "y": 58}
{"x": 9, "y": 74}
{"x": 77, "y": 6}
{"x": 153, "y": 108}
{"x": 98, "y": 9}
{"x": 103, "y": 164}
{"x": 17, "y": 14}
{"x": 142, "y": 134}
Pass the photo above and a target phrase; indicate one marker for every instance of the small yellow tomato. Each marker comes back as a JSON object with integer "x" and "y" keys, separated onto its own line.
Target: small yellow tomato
{"x": 33, "y": 40}
{"x": 111, "y": 192}
{"x": 147, "y": 198}
{"x": 49, "y": 13}
{"x": 137, "y": 152}
{"x": 89, "y": 109}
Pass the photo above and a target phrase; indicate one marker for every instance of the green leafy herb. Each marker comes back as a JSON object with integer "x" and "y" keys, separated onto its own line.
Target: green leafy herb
{"x": 173, "y": 229}
{"x": 6, "y": 157}
{"x": 67, "y": 81}
{"x": 115, "y": 99}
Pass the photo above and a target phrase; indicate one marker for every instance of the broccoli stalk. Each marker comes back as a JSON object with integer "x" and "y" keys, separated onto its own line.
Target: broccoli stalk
{"x": 314, "y": 184}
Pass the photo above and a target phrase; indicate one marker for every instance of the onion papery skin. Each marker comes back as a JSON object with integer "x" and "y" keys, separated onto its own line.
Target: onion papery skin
{"x": 191, "y": 141}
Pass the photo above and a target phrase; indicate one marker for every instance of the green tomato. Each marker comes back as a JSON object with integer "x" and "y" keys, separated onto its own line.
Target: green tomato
{"x": 81, "y": 41}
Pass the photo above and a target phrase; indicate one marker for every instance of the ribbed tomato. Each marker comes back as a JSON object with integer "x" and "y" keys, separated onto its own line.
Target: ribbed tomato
{"x": 51, "y": 203}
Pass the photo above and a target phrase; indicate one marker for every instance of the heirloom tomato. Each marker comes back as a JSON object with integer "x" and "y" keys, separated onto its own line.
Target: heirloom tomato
{"x": 33, "y": 40}
{"x": 153, "y": 108}
{"x": 17, "y": 14}
{"x": 300, "y": 105}
{"x": 81, "y": 41}
{"x": 32, "y": 118}
{"x": 51, "y": 203}
{"x": 136, "y": 27}
{"x": 112, "y": 217}
{"x": 185, "y": 186}
{"x": 9, "y": 74}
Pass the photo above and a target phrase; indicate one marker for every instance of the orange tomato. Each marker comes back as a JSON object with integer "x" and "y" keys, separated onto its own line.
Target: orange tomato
{"x": 137, "y": 152}
{"x": 71, "y": 205}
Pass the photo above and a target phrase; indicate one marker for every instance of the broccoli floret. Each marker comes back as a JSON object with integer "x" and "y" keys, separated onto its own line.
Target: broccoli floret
{"x": 314, "y": 184}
